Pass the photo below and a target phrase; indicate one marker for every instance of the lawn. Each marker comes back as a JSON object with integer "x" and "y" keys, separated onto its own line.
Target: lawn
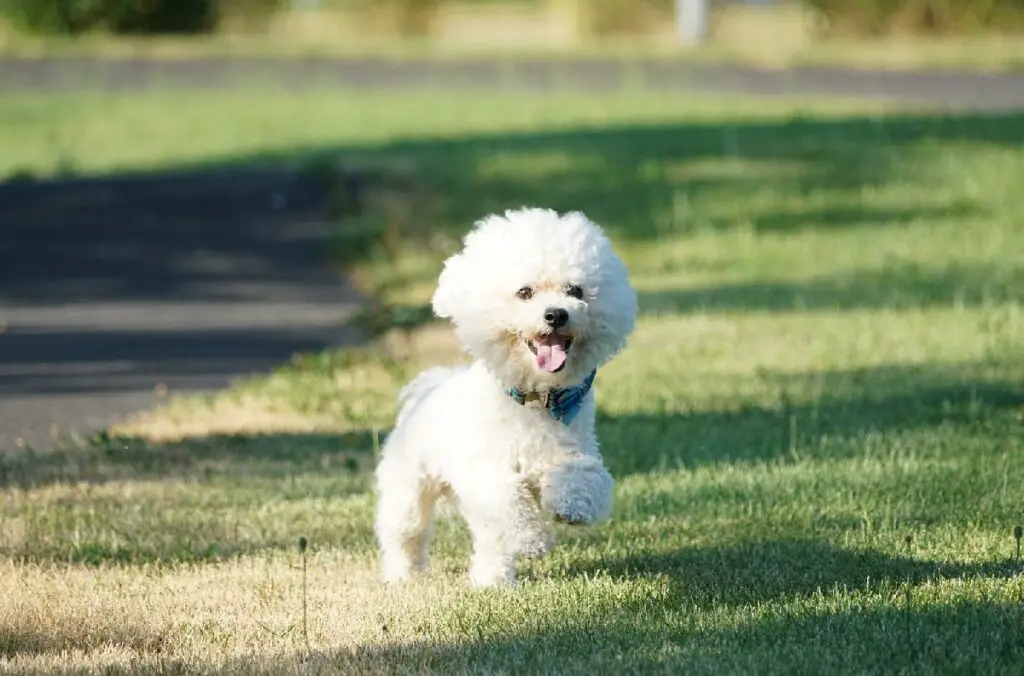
{"x": 816, "y": 431}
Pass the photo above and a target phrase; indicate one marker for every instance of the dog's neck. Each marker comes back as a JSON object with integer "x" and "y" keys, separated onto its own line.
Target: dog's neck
{"x": 561, "y": 404}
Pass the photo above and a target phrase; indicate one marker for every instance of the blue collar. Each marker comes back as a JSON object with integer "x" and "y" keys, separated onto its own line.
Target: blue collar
{"x": 563, "y": 405}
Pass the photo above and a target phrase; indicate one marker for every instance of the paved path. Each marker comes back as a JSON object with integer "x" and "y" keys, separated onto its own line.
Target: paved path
{"x": 111, "y": 291}
{"x": 947, "y": 89}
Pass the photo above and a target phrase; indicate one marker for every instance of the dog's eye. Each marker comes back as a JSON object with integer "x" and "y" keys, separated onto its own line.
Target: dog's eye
{"x": 574, "y": 290}
{"x": 525, "y": 293}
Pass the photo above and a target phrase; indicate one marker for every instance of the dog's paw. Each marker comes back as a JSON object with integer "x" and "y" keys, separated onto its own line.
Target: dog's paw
{"x": 579, "y": 493}
{"x": 579, "y": 507}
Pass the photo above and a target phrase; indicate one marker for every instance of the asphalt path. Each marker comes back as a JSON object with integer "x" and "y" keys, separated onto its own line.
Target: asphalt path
{"x": 116, "y": 292}
{"x": 947, "y": 89}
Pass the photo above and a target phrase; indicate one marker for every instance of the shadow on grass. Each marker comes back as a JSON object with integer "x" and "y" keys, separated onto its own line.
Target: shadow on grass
{"x": 784, "y": 606}
{"x": 257, "y": 457}
{"x": 838, "y": 406}
{"x": 896, "y": 287}
{"x": 781, "y": 606}
{"x": 815, "y": 416}
{"x": 967, "y": 636}
{"x": 856, "y": 215}
{"x": 628, "y": 177}
{"x": 18, "y": 641}
{"x": 758, "y": 572}
{"x": 962, "y": 636}
{"x": 123, "y": 500}
{"x": 900, "y": 286}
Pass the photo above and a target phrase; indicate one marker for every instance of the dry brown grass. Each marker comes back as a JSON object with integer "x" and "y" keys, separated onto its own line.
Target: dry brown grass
{"x": 247, "y": 414}
{"x": 239, "y": 616}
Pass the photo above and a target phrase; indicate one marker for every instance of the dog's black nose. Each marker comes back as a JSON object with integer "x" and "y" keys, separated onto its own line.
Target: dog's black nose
{"x": 556, "y": 317}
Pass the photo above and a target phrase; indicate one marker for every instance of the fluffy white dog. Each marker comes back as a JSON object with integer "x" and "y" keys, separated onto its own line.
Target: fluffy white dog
{"x": 540, "y": 301}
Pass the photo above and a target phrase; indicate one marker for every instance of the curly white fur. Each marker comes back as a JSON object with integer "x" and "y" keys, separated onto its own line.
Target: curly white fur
{"x": 459, "y": 435}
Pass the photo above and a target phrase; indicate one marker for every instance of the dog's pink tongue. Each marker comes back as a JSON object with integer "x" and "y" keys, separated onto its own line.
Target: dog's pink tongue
{"x": 551, "y": 355}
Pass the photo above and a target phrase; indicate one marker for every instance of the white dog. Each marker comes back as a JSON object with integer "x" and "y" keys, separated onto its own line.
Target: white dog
{"x": 540, "y": 301}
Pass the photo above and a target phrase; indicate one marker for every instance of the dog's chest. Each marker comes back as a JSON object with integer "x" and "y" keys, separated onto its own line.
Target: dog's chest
{"x": 535, "y": 439}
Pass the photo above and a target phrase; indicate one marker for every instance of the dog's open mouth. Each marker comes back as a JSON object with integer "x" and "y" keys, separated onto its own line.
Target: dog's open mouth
{"x": 551, "y": 350}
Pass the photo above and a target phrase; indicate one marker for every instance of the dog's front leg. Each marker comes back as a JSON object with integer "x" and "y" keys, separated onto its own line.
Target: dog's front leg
{"x": 578, "y": 490}
{"x": 504, "y": 520}
{"x": 533, "y": 535}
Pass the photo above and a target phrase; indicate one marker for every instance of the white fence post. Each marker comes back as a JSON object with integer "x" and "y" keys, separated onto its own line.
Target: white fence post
{"x": 692, "y": 21}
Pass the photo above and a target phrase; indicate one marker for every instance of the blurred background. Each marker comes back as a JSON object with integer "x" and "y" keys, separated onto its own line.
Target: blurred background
{"x": 889, "y": 32}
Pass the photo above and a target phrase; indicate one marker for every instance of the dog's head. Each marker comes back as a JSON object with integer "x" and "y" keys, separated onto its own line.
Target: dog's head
{"x": 541, "y": 298}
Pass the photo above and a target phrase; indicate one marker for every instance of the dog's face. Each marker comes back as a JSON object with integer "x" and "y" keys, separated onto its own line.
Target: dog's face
{"x": 542, "y": 299}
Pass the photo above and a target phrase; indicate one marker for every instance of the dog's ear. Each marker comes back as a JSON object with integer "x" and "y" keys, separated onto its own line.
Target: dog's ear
{"x": 446, "y": 295}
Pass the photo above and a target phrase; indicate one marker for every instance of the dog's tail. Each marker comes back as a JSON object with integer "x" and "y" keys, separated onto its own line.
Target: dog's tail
{"x": 420, "y": 387}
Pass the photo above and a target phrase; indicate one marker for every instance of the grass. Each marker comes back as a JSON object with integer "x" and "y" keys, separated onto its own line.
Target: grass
{"x": 88, "y": 134}
{"x": 816, "y": 431}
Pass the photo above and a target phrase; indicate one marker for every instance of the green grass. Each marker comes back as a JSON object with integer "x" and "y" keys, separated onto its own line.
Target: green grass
{"x": 88, "y": 134}
{"x": 815, "y": 432}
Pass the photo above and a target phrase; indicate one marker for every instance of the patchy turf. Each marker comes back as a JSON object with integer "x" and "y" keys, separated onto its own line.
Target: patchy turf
{"x": 815, "y": 432}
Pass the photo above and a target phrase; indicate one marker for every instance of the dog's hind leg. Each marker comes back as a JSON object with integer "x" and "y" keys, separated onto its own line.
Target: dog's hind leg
{"x": 403, "y": 525}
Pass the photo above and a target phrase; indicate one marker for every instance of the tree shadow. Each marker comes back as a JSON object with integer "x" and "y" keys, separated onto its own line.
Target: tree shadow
{"x": 127, "y": 501}
{"x": 816, "y": 415}
{"x": 841, "y": 406}
{"x": 18, "y": 641}
{"x": 258, "y": 457}
{"x": 969, "y": 636}
{"x": 966, "y": 636}
{"x": 628, "y": 177}
{"x": 758, "y": 572}
{"x": 897, "y": 287}
{"x": 856, "y": 215}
